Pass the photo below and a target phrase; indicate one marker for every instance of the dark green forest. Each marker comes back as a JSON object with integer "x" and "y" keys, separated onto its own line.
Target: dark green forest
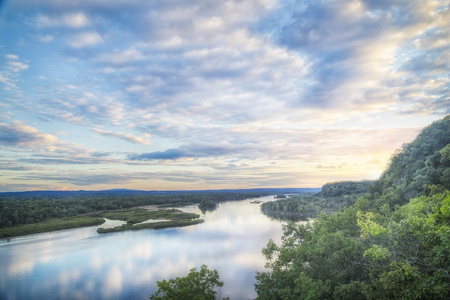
{"x": 332, "y": 198}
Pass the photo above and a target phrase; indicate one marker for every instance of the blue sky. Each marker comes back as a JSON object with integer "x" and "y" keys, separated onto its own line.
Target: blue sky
{"x": 173, "y": 94}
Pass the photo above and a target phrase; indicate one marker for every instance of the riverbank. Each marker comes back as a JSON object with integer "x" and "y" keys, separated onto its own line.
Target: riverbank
{"x": 51, "y": 225}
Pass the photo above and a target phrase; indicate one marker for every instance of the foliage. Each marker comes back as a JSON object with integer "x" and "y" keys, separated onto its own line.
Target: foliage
{"x": 355, "y": 254}
{"x": 197, "y": 285}
{"x": 51, "y": 225}
{"x": 156, "y": 225}
{"x": 316, "y": 260}
{"x": 333, "y": 197}
{"x": 410, "y": 256}
{"x": 135, "y": 217}
{"x": 207, "y": 204}
{"x": 341, "y": 188}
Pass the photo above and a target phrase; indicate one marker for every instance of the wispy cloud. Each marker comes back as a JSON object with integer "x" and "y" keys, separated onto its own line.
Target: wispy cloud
{"x": 192, "y": 151}
{"x": 124, "y": 136}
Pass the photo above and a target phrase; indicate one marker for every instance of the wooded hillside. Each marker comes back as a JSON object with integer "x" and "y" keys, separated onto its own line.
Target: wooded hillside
{"x": 393, "y": 243}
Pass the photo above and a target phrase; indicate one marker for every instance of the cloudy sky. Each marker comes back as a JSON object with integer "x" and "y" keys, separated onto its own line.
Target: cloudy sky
{"x": 207, "y": 94}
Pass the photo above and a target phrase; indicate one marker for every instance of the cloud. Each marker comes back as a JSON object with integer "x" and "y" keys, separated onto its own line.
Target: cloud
{"x": 121, "y": 57}
{"x": 79, "y": 106}
{"x": 85, "y": 39}
{"x": 18, "y": 134}
{"x": 17, "y": 66}
{"x": 45, "y": 38}
{"x": 80, "y": 178}
{"x": 358, "y": 47}
{"x": 124, "y": 136}
{"x": 18, "y": 167}
{"x": 167, "y": 154}
{"x": 325, "y": 167}
{"x": 191, "y": 151}
{"x": 73, "y": 20}
{"x": 14, "y": 65}
{"x": 267, "y": 145}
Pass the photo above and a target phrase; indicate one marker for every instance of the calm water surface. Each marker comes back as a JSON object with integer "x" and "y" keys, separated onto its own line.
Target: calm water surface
{"x": 81, "y": 264}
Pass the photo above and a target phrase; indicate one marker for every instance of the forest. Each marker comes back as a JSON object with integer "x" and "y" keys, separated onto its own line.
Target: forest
{"x": 332, "y": 198}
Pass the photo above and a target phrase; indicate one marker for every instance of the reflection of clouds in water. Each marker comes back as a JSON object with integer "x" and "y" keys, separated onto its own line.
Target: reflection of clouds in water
{"x": 250, "y": 260}
{"x": 85, "y": 265}
{"x": 96, "y": 261}
{"x": 67, "y": 277}
{"x": 21, "y": 265}
{"x": 112, "y": 285}
{"x": 140, "y": 250}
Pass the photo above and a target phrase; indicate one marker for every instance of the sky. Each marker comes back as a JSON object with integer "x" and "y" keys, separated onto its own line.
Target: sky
{"x": 207, "y": 94}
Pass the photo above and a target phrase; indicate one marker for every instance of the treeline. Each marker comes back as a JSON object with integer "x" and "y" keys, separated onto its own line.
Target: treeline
{"x": 333, "y": 197}
{"x": 392, "y": 243}
{"x": 25, "y": 208}
{"x": 342, "y": 188}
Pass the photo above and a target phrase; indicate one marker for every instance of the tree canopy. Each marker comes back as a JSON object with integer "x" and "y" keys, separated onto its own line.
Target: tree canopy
{"x": 197, "y": 285}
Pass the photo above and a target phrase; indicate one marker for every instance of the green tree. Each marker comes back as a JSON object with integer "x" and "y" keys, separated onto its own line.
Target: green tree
{"x": 409, "y": 253}
{"x": 319, "y": 260}
{"x": 207, "y": 204}
{"x": 197, "y": 285}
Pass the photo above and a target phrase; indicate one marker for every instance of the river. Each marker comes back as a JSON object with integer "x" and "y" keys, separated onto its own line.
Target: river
{"x": 82, "y": 264}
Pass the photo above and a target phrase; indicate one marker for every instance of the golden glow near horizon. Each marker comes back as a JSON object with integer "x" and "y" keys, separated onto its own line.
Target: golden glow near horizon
{"x": 201, "y": 95}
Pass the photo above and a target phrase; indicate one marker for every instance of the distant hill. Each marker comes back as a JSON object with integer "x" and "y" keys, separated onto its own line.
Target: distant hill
{"x": 116, "y": 192}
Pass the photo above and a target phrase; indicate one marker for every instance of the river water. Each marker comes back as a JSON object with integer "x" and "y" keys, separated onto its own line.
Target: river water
{"x": 82, "y": 264}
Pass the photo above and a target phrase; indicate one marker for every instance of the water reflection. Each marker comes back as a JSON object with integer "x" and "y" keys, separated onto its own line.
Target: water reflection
{"x": 81, "y": 264}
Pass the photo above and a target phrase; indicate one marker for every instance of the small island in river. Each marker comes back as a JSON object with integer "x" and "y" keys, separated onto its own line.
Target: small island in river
{"x": 137, "y": 219}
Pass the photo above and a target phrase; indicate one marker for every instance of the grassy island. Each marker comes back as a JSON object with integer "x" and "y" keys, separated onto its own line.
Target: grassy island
{"x": 136, "y": 218}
